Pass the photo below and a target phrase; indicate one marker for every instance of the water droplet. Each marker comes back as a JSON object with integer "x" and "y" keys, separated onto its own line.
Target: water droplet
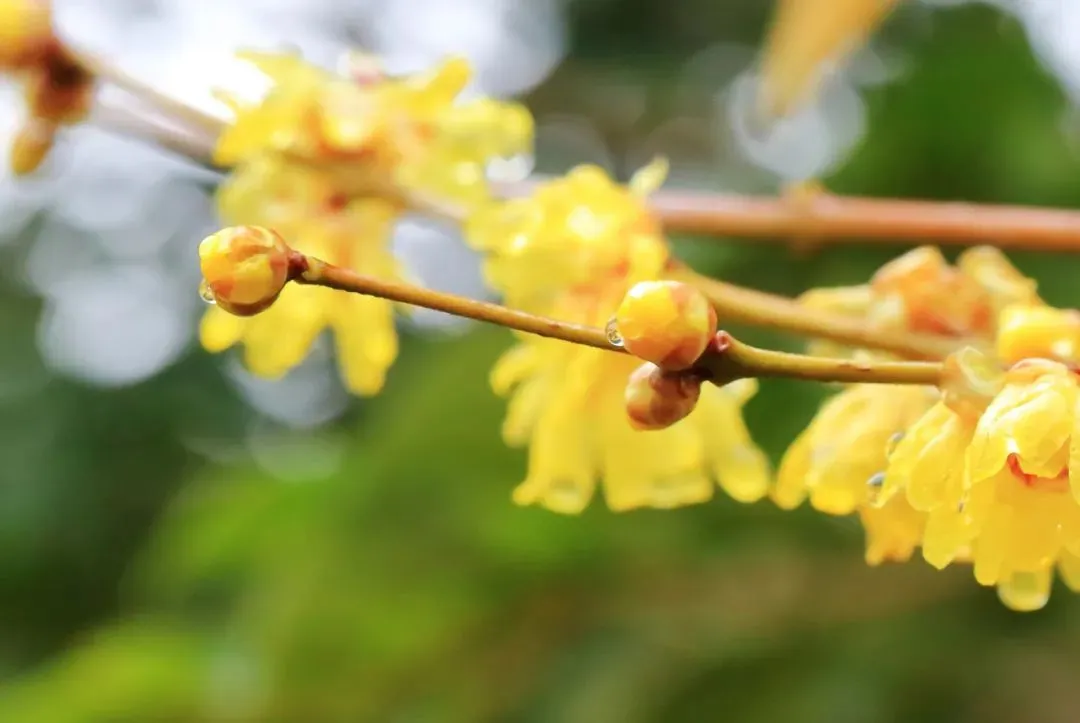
{"x": 873, "y": 489}
{"x": 612, "y": 331}
{"x": 890, "y": 446}
{"x": 206, "y": 293}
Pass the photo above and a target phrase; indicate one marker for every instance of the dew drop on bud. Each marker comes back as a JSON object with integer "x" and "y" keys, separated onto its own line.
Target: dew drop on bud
{"x": 612, "y": 332}
{"x": 206, "y": 293}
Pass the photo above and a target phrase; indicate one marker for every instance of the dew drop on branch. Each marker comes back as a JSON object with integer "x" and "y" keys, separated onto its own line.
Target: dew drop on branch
{"x": 612, "y": 332}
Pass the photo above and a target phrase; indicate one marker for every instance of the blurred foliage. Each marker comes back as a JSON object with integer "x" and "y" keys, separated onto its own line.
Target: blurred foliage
{"x": 386, "y": 577}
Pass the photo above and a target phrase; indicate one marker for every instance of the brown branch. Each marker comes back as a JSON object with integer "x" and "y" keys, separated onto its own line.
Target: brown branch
{"x": 818, "y": 216}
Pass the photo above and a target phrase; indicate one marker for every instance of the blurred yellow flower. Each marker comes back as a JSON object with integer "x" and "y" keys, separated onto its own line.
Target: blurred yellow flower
{"x": 804, "y": 42}
{"x": 572, "y": 251}
{"x": 301, "y": 205}
{"x": 380, "y": 136}
{"x": 893, "y": 531}
{"x": 921, "y": 292}
{"x": 329, "y": 162}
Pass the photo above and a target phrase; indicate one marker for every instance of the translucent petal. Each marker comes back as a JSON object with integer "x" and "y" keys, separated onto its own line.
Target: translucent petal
{"x": 1041, "y": 428}
{"x": 790, "y": 488}
{"x": 990, "y": 446}
{"x": 908, "y": 451}
{"x": 1069, "y": 567}
{"x": 893, "y": 531}
{"x": 561, "y": 474}
{"x": 649, "y": 178}
{"x": 1026, "y": 591}
{"x": 937, "y": 472}
{"x": 993, "y": 545}
{"x": 219, "y": 330}
{"x": 366, "y": 340}
{"x": 947, "y": 535}
{"x": 524, "y": 409}
{"x": 279, "y": 338}
{"x": 740, "y": 467}
{"x": 1074, "y": 453}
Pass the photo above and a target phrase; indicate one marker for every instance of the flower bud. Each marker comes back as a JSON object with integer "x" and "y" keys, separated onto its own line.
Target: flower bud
{"x": 667, "y": 323}
{"x": 935, "y": 297}
{"x": 1028, "y": 330}
{"x": 657, "y": 399}
{"x": 244, "y": 268}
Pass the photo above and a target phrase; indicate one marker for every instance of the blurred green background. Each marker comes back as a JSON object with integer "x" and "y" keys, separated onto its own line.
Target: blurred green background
{"x": 140, "y": 581}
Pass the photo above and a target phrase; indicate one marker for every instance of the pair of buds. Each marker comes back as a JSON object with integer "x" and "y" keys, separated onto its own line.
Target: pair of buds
{"x": 669, "y": 325}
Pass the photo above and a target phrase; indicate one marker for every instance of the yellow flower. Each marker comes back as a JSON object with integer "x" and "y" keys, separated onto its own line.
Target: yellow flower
{"x": 921, "y": 292}
{"x": 299, "y": 204}
{"x": 846, "y": 444}
{"x": 378, "y": 137}
{"x": 996, "y": 488}
{"x": 328, "y": 162}
{"x": 572, "y": 251}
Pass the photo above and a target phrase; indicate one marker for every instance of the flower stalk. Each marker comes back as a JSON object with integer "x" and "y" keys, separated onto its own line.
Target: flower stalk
{"x": 726, "y": 360}
{"x": 757, "y": 308}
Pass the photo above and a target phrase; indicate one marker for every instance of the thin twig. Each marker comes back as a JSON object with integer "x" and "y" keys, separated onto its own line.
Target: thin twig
{"x": 757, "y": 308}
{"x": 129, "y": 123}
{"x": 726, "y": 360}
{"x": 185, "y": 116}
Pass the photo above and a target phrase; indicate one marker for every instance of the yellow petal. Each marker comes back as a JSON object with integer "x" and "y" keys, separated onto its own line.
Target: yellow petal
{"x": 908, "y": 451}
{"x": 279, "y": 338}
{"x": 740, "y": 467}
{"x": 219, "y": 330}
{"x": 990, "y": 447}
{"x": 804, "y": 39}
{"x": 1041, "y": 429}
{"x": 893, "y": 531}
{"x": 992, "y": 546}
{"x": 1069, "y": 567}
{"x": 561, "y": 475}
{"x": 790, "y": 488}
{"x": 946, "y": 536}
{"x": 1026, "y": 591}
{"x": 649, "y": 178}
{"x": 1074, "y": 453}
{"x": 936, "y": 475}
{"x": 524, "y": 410}
{"x": 366, "y": 340}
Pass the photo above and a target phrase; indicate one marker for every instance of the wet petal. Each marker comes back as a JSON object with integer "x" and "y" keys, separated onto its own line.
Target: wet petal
{"x": 1026, "y": 591}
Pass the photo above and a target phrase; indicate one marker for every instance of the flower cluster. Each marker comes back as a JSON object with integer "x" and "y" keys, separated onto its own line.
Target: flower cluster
{"x": 572, "y": 251}
{"x": 330, "y": 161}
{"x": 973, "y": 459}
{"x": 977, "y": 470}
{"x": 57, "y": 87}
